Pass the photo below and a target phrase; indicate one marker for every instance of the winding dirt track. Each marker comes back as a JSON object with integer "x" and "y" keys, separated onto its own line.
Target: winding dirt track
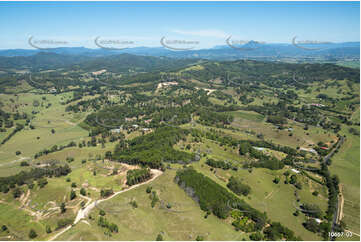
{"x": 83, "y": 213}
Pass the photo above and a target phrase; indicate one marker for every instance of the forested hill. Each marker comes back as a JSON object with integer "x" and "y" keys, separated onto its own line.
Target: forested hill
{"x": 114, "y": 63}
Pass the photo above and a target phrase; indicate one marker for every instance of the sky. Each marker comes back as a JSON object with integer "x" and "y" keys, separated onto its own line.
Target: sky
{"x": 197, "y": 24}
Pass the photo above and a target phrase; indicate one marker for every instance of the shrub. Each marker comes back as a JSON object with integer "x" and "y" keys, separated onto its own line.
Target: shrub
{"x": 72, "y": 195}
{"x": 83, "y": 191}
{"x": 48, "y": 229}
{"x": 159, "y": 237}
{"x": 62, "y": 207}
{"x": 32, "y": 234}
{"x": 64, "y": 222}
{"x": 17, "y": 192}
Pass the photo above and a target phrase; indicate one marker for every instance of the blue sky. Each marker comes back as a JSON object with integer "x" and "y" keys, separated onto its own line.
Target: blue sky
{"x": 208, "y": 23}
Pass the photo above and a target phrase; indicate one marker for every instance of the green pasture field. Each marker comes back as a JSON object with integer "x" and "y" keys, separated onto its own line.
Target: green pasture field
{"x": 277, "y": 200}
{"x": 185, "y": 221}
{"x": 47, "y": 119}
{"x": 346, "y": 164}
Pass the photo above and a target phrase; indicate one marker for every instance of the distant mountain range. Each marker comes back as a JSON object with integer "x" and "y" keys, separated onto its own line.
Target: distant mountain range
{"x": 327, "y": 51}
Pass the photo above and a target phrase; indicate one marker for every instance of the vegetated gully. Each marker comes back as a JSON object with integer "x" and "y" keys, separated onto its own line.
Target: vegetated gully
{"x": 83, "y": 212}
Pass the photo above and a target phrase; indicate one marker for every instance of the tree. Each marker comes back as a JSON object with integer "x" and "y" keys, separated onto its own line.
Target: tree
{"x": 102, "y": 213}
{"x": 276, "y": 180}
{"x": 149, "y": 189}
{"x": 32, "y": 234}
{"x": 18, "y": 152}
{"x": 238, "y": 187}
{"x": 312, "y": 210}
{"x": 113, "y": 227}
{"x": 199, "y": 238}
{"x": 4, "y": 228}
{"x": 62, "y": 207}
{"x": 17, "y": 192}
{"x": 72, "y": 195}
{"x": 256, "y": 236}
{"x": 53, "y": 131}
{"x": 73, "y": 184}
{"x": 42, "y": 182}
{"x": 312, "y": 225}
{"x": 244, "y": 148}
{"x": 159, "y": 237}
{"x": 83, "y": 191}
{"x": 48, "y": 229}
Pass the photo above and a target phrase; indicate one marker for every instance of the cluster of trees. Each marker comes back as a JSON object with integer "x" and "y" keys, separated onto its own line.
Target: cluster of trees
{"x": 312, "y": 210}
{"x": 214, "y": 198}
{"x": 332, "y": 183}
{"x": 103, "y": 222}
{"x": 278, "y": 120}
{"x": 215, "y": 135}
{"x": 138, "y": 176}
{"x": 218, "y": 164}
{"x": 263, "y": 160}
{"x": 210, "y": 118}
{"x": 247, "y": 144}
{"x": 55, "y": 148}
{"x": 154, "y": 148}
{"x": 27, "y": 177}
{"x": 277, "y": 231}
{"x": 238, "y": 187}
{"x": 279, "y": 113}
{"x": 106, "y": 192}
{"x": 242, "y": 222}
{"x": 17, "y": 129}
{"x": 63, "y": 222}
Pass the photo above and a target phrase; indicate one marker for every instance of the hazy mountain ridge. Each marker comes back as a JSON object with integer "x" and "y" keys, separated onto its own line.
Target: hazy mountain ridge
{"x": 225, "y": 52}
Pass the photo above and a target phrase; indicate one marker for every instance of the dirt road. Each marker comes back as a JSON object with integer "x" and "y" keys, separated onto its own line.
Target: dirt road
{"x": 83, "y": 213}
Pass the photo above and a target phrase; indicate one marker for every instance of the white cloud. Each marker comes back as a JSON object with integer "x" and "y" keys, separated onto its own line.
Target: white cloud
{"x": 203, "y": 33}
